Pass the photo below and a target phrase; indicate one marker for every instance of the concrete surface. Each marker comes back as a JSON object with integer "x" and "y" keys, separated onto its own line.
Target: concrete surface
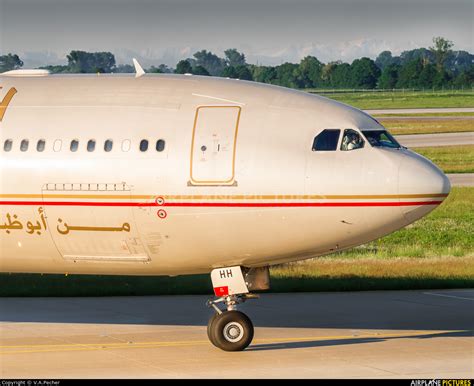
{"x": 402, "y": 334}
{"x": 421, "y": 111}
{"x": 442, "y": 139}
{"x": 461, "y": 179}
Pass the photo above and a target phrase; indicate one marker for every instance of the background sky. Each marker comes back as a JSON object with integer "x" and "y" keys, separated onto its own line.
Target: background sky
{"x": 268, "y": 31}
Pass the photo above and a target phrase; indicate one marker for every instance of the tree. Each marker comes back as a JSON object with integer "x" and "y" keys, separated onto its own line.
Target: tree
{"x": 161, "y": 69}
{"x": 58, "y": 69}
{"x": 234, "y": 58}
{"x": 104, "y": 62}
{"x": 200, "y": 70}
{"x": 183, "y": 67}
{"x": 243, "y": 73}
{"x": 229, "y": 72}
{"x": 287, "y": 75}
{"x": 409, "y": 73}
{"x": 125, "y": 69}
{"x": 10, "y": 62}
{"x": 79, "y": 61}
{"x": 389, "y": 77}
{"x": 459, "y": 61}
{"x": 154, "y": 70}
{"x": 465, "y": 78}
{"x": 341, "y": 75}
{"x": 418, "y": 53}
{"x": 364, "y": 73}
{"x": 165, "y": 69}
{"x": 385, "y": 59}
{"x": 91, "y": 62}
{"x": 326, "y": 72}
{"x": 427, "y": 76}
{"x": 263, "y": 74}
{"x": 441, "y": 50}
{"x": 212, "y": 63}
{"x": 441, "y": 78}
{"x": 310, "y": 69}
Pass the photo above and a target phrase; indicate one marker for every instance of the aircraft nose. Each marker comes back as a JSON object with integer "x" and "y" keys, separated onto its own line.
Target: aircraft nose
{"x": 420, "y": 180}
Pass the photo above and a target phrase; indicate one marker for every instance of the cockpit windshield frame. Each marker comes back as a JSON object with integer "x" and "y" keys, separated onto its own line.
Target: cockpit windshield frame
{"x": 381, "y": 138}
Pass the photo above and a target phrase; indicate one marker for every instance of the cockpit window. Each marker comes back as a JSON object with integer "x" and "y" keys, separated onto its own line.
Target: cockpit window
{"x": 381, "y": 138}
{"x": 351, "y": 140}
{"x": 326, "y": 140}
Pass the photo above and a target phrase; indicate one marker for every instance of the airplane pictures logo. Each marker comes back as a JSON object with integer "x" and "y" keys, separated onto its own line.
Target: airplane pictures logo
{"x": 6, "y": 101}
{"x": 441, "y": 382}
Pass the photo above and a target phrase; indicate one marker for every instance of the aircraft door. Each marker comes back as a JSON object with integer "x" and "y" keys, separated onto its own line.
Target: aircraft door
{"x": 213, "y": 145}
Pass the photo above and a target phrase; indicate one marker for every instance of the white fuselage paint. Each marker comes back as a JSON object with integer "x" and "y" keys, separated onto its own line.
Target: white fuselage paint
{"x": 236, "y": 183}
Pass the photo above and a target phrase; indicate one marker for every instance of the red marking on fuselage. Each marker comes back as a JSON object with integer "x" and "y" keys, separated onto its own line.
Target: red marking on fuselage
{"x": 222, "y": 204}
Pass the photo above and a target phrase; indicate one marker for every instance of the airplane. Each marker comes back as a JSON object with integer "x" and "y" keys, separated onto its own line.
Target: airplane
{"x": 163, "y": 174}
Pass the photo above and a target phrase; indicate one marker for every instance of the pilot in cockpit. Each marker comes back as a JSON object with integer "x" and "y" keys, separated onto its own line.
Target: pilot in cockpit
{"x": 351, "y": 141}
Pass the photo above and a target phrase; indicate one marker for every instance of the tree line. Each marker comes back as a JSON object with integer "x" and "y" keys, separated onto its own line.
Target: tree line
{"x": 434, "y": 67}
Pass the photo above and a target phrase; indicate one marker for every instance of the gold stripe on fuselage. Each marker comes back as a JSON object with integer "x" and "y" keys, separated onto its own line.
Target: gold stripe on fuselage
{"x": 220, "y": 197}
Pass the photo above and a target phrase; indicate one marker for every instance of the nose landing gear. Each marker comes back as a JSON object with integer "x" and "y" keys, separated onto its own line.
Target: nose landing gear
{"x": 229, "y": 329}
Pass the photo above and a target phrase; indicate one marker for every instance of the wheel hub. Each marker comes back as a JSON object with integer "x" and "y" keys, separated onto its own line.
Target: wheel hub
{"x": 233, "y": 332}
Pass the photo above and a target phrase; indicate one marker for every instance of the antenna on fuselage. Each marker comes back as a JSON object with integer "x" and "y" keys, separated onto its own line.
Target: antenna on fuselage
{"x": 138, "y": 69}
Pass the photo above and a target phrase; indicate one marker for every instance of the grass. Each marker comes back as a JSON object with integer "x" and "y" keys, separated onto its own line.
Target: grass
{"x": 452, "y": 159}
{"x": 445, "y": 232}
{"x": 361, "y": 274}
{"x": 417, "y": 115}
{"x": 434, "y": 252}
{"x": 409, "y": 99}
{"x": 427, "y": 126}
{"x": 316, "y": 275}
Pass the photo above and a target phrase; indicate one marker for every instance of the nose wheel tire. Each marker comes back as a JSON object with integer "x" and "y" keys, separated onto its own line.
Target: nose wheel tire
{"x": 230, "y": 331}
{"x": 209, "y": 328}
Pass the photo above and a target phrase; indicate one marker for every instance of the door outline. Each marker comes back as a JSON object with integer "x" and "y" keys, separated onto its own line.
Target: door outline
{"x": 230, "y": 181}
{"x": 86, "y": 191}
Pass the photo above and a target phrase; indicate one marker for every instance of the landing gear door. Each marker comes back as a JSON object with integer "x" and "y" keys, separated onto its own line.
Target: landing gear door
{"x": 213, "y": 145}
{"x": 93, "y": 222}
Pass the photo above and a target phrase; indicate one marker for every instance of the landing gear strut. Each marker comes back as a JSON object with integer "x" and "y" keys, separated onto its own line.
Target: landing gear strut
{"x": 229, "y": 329}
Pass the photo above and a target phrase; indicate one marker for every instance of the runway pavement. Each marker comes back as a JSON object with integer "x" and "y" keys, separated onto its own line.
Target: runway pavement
{"x": 403, "y": 334}
{"x": 461, "y": 179}
{"x": 442, "y": 139}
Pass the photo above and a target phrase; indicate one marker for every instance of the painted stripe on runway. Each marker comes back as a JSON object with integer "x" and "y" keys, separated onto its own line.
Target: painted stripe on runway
{"x": 111, "y": 346}
{"x": 447, "y": 296}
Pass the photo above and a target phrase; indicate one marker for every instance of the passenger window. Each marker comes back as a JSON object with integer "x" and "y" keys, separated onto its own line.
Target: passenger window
{"x": 7, "y": 145}
{"x": 40, "y": 145}
{"x": 160, "y": 145}
{"x": 108, "y": 145}
{"x": 91, "y": 145}
{"x": 326, "y": 140}
{"x": 351, "y": 140}
{"x": 24, "y": 145}
{"x": 74, "y": 145}
{"x": 126, "y": 145}
{"x": 143, "y": 145}
{"x": 57, "y": 145}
